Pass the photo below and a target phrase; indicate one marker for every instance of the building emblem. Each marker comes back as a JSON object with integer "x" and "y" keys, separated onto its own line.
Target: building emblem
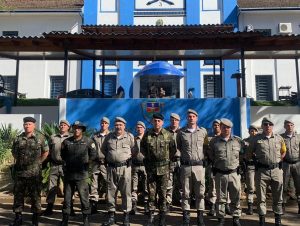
{"x": 160, "y": 1}
{"x": 149, "y": 108}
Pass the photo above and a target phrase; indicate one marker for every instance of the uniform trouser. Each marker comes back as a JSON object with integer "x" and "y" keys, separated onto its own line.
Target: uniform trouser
{"x": 228, "y": 184}
{"x": 264, "y": 178}
{"x": 56, "y": 173}
{"x": 250, "y": 174}
{"x": 291, "y": 170}
{"x": 136, "y": 172}
{"x": 27, "y": 186}
{"x": 99, "y": 175}
{"x": 174, "y": 172}
{"x": 119, "y": 178}
{"x": 83, "y": 190}
{"x": 192, "y": 179}
{"x": 157, "y": 184}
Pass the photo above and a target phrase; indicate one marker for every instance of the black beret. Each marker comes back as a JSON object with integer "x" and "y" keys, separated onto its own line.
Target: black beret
{"x": 29, "y": 119}
{"x": 80, "y": 125}
{"x": 158, "y": 116}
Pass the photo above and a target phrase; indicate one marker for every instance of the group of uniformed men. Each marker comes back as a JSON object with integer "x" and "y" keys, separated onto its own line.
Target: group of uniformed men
{"x": 160, "y": 158}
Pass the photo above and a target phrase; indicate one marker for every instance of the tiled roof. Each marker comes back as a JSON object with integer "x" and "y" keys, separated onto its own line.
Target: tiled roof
{"x": 40, "y": 4}
{"x": 268, "y": 3}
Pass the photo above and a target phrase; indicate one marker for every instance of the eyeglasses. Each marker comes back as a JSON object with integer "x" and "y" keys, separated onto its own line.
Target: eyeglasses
{"x": 267, "y": 124}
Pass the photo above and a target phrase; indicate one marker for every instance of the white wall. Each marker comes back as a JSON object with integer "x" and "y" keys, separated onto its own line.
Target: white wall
{"x": 16, "y": 120}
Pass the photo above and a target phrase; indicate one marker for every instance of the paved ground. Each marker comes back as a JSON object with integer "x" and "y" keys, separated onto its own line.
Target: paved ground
{"x": 291, "y": 218}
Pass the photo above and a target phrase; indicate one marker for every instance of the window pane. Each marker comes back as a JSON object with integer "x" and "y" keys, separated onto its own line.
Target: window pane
{"x": 212, "y": 86}
{"x": 264, "y": 89}
{"x": 109, "y": 62}
{"x": 211, "y": 62}
{"x": 110, "y": 83}
{"x": 176, "y": 62}
{"x": 10, "y": 33}
{"x": 9, "y": 82}
{"x": 56, "y": 86}
{"x": 142, "y": 62}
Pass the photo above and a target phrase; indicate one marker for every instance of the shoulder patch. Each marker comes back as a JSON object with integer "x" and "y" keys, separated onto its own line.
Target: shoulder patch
{"x": 93, "y": 145}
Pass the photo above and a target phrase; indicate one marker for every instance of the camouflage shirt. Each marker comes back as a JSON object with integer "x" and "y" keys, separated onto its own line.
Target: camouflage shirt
{"x": 27, "y": 152}
{"x": 292, "y": 147}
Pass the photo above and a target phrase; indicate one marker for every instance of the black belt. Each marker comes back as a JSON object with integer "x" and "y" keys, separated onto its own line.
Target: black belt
{"x": 225, "y": 171}
{"x": 291, "y": 162}
{"x": 120, "y": 164}
{"x": 192, "y": 163}
{"x": 267, "y": 167}
{"x": 137, "y": 163}
{"x": 250, "y": 163}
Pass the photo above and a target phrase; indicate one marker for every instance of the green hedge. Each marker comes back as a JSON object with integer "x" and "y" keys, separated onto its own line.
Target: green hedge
{"x": 37, "y": 102}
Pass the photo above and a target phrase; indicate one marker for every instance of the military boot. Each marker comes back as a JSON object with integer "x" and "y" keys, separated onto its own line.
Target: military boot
{"x": 186, "y": 218}
{"x": 227, "y": 209}
{"x": 94, "y": 206}
{"x": 236, "y": 221}
{"x": 18, "y": 220}
{"x": 212, "y": 211}
{"x": 86, "y": 220}
{"x": 146, "y": 208}
{"x": 162, "y": 218}
{"x": 35, "y": 219}
{"x": 221, "y": 222}
{"x": 200, "y": 219}
{"x": 262, "y": 220}
{"x": 168, "y": 207}
{"x": 151, "y": 218}
{"x": 277, "y": 220}
{"x": 250, "y": 209}
{"x": 110, "y": 220}
{"x": 126, "y": 219}
{"x": 65, "y": 220}
{"x": 134, "y": 208}
{"x": 49, "y": 210}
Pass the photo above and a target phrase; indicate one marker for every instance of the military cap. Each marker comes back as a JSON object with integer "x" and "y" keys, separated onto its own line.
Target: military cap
{"x": 141, "y": 124}
{"x": 105, "y": 119}
{"x": 216, "y": 121}
{"x": 289, "y": 121}
{"x": 191, "y": 111}
{"x": 120, "y": 119}
{"x": 64, "y": 121}
{"x": 79, "y": 125}
{"x": 29, "y": 119}
{"x": 226, "y": 122}
{"x": 175, "y": 116}
{"x": 252, "y": 127}
{"x": 158, "y": 116}
{"x": 267, "y": 120}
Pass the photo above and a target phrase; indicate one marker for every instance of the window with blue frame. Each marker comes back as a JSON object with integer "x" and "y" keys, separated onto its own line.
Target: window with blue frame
{"x": 110, "y": 84}
{"x": 211, "y": 62}
{"x": 109, "y": 62}
{"x": 56, "y": 86}
{"x": 176, "y": 62}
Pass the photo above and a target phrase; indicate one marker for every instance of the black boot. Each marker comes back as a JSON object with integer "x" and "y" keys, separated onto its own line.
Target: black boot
{"x": 277, "y": 220}
{"x": 298, "y": 208}
{"x": 162, "y": 218}
{"x": 212, "y": 211}
{"x": 86, "y": 220}
{"x": 94, "y": 207}
{"x": 262, "y": 220}
{"x": 17, "y": 221}
{"x": 168, "y": 206}
{"x": 151, "y": 218}
{"x": 110, "y": 220}
{"x": 146, "y": 209}
{"x": 126, "y": 219}
{"x": 186, "y": 218}
{"x": 200, "y": 219}
{"x": 49, "y": 210}
{"x": 221, "y": 222}
{"x": 134, "y": 208}
{"x": 236, "y": 221}
{"x": 250, "y": 209}
{"x": 227, "y": 209}
{"x": 35, "y": 219}
{"x": 65, "y": 220}
{"x": 72, "y": 214}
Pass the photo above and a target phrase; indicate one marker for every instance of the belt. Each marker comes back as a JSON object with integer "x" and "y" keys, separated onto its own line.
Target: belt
{"x": 250, "y": 163}
{"x": 175, "y": 159}
{"x": 137, "y": 163}
{"x": 225, "y": 171}
{"x": 120, "y": 164}
{"x": 192, "y": 163}
{"x": 268, "y": 167}
{"x": 162, "y": 163}
{"x": 291, "y": 162}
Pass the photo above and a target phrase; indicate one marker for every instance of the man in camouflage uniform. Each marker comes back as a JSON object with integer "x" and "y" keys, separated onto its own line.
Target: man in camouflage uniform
{"x": 174, "y": 175}
{"x": 29, "y": 151}
{"x": 249, "y": 169}
{"x": 190, "y": 141}
{"x": 138, "y": 170}
{"x": 224, "y": 154}
{"x": 268, "y": 151}
{"x": 157, "y": 146}
{"x": 117, "y": 148}
{"x": 77, "y": 152}
{"x": 99, "y": 173}
{"x": 56, "y": 169}
{"x": 291, "y": 161}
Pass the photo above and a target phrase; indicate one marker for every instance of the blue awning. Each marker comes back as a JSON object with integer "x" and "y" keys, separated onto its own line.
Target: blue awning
{"x": 160, "y": 68}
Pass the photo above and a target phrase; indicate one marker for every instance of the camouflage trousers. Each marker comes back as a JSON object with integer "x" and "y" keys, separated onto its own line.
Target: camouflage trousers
{"x": 56, "y": 173}
{"x": 27, "y": 187}
{"x": 157, "y": 184}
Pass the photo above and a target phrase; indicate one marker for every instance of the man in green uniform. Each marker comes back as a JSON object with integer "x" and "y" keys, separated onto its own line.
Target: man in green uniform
{"x": 268, "y": 151}
{"x": 77, "y": 152}
{"x": 157, "y": 146}
{"x": 29, "y": 151}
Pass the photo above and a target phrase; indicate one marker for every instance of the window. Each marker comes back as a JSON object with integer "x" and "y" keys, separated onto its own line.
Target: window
{"x": 10, "y": 33}
{"x": 110, "y": 84}
{"x": 56, "y": 86}
{"x": 264, "y": 88}
{"x": 10, "y": 82}
{"x": 211, "y": 62}
{"x": 142, "y": 62}
{"x": 176, "y": 62}
{"x": 109, "y": 62}
{"x": 265, "y": 32}
{"x": 212, "y": 86}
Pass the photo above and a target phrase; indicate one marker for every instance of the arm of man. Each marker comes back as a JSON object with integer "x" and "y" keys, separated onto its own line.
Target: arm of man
{"x": 45, "y": 150}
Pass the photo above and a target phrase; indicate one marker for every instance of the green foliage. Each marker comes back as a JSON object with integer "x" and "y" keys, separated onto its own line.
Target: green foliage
{"x": 37, "y": 102}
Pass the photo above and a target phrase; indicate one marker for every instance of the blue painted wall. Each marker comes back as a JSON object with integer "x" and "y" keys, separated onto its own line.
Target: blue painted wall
{"x": 193, "y": 67}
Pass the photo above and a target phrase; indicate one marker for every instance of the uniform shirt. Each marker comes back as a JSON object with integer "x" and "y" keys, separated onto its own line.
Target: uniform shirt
{"x": 99, "y": 139}
{"x": 225, "y": 154}
{"x": 136, "y": 152}
{"x": 175, "y": 132}
{"x": 118, "y": 149}
{"x": 247, "y": 155}
{"x": 191, "y": 144}
{"x": 55, "y": 147}
{"x": 76, "y": 155}
{"x": 292, "y": 146}
{"x": 267, "y": 151}
{"x": 27, "y": 152}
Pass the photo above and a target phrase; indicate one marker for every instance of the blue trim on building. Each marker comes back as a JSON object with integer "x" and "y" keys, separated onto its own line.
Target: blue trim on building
{"x": 89, "y": 18}
{"x": 230, "y": 12}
